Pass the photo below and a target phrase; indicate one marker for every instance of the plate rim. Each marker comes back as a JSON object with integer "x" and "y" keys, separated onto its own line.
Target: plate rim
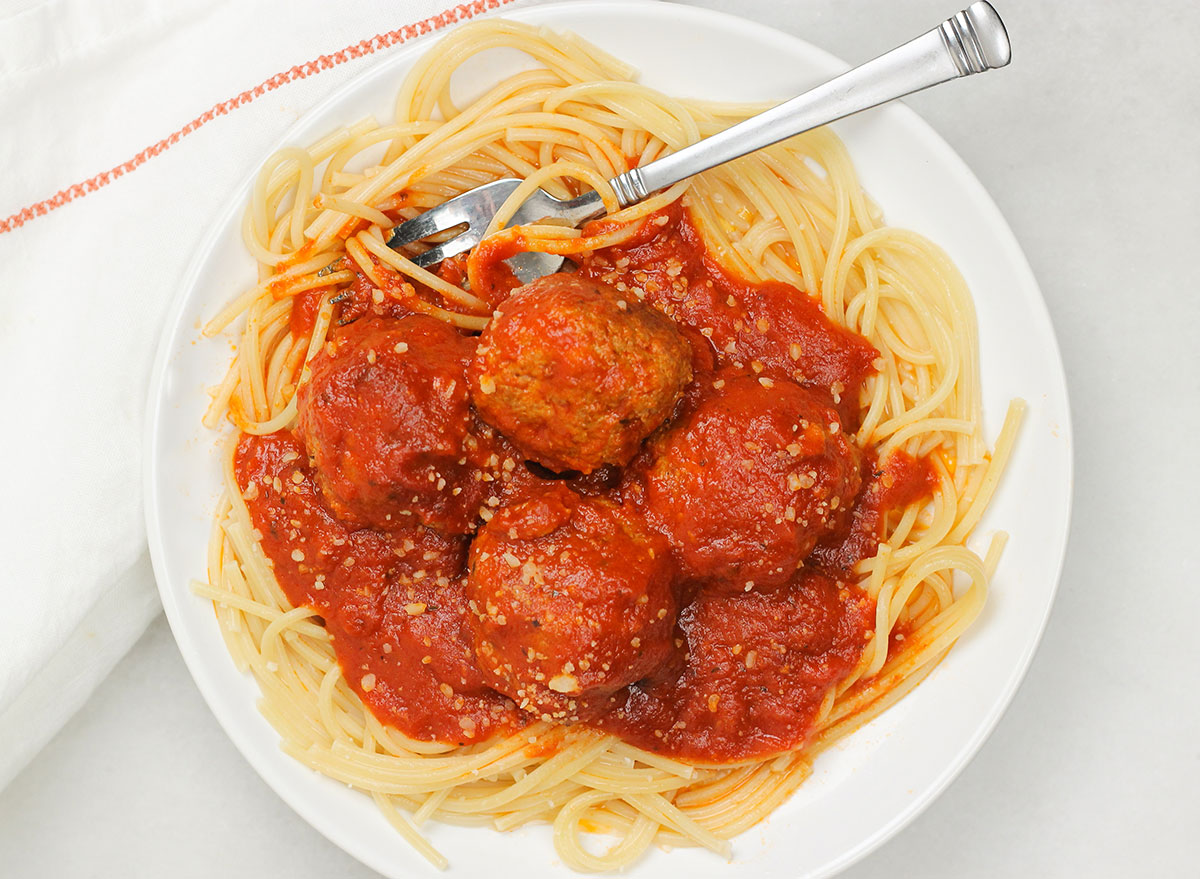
{"x": 946, "y": 156}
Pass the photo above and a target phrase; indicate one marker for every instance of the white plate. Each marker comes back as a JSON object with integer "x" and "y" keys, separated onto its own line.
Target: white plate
{"x": 866, "y": 789}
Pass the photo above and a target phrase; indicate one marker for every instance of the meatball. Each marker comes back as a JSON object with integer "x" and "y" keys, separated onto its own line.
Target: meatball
{"x": 572, "y": 601}
{"x": 750, "y": 477}
{"x": 575, "y": 375}
{"x": 759, "y": 666}
{"x": 386, "y": 419}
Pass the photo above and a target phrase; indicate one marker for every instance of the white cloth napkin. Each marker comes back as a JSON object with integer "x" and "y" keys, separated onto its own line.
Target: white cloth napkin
{"x": 86, "y": 85}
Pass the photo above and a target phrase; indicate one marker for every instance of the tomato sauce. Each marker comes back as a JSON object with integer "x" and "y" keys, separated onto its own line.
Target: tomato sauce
{"x": 362, "y": 297}
{"x": 392, "y": 602}
{"x": 305, "y": 307}
{"x": 749, "y": 671}
{"x": 747, "y": 668}
{"x": 767, "y": 328}
{"x": 892, "y": 484}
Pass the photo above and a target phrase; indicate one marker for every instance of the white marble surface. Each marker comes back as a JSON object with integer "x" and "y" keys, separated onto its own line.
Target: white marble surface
{"x": 1088, "y": 144}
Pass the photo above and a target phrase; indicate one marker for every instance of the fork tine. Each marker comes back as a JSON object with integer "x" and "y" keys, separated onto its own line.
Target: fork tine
{"x": 456, "y": 245}
{"x": 334, "y": 266}
{"x": 474, "y": 207}
{"x": 445, "y": 216}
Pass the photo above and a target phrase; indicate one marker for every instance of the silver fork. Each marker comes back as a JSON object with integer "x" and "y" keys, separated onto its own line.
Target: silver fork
{"x": 970, "y": 42}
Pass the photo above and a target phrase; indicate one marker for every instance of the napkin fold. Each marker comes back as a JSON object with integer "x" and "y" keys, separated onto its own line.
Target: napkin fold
{"x": 87, "y": 272}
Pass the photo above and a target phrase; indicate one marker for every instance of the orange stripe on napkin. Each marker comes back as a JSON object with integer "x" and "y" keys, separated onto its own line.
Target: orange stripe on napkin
{"x": 455, "y": 14}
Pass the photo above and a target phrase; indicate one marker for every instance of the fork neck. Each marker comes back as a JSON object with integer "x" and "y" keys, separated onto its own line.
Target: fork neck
{"x": 630, "y": 187}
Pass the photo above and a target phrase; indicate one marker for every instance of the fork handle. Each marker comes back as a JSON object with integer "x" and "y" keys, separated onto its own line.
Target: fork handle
{"x": 970, "y": 42}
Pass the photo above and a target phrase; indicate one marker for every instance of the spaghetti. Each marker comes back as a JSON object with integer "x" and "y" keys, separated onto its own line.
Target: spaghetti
{"x": 792, "y": 214}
